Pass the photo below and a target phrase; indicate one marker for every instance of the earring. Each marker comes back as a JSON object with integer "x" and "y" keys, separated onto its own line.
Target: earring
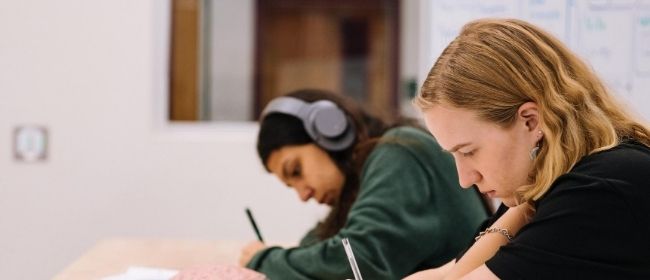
{"x": 535, "y": 150}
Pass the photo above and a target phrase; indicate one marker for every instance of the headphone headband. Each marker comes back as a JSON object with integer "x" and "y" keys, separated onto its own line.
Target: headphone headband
{"x": 323, "y": 120}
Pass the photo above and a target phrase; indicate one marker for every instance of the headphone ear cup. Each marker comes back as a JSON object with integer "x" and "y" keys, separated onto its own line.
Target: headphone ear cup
{"x": 329, "y": 121}
{"x": 329, "y": 126}
{"x": 343, "y": 141}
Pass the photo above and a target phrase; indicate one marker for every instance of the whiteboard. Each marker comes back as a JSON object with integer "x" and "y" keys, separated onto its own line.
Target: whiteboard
{"x": 613, "y": 36}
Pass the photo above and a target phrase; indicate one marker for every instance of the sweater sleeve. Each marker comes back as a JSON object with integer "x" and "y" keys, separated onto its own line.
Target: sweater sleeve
{"x": 393, "y": 227}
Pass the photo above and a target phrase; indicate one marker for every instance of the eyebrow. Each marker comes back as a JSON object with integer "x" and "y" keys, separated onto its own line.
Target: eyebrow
{"x": 457, "y": 147}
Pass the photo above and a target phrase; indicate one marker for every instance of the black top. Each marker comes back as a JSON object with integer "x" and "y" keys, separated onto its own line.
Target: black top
{"x": 594, "y": 223}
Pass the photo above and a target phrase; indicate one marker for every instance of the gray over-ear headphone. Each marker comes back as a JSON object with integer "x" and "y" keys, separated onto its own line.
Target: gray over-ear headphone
{"x": 323, "y": 120}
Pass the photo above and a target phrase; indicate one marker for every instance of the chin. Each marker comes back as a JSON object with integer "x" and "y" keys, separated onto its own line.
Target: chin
{"x": 509, "y": 201}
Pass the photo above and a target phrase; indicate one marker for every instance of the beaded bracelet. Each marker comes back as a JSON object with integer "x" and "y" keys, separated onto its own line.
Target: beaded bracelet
{"x": 502, "y": 231}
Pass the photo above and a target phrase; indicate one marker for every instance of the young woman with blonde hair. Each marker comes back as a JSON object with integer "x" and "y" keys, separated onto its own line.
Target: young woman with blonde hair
{"x": 528, "y": 122}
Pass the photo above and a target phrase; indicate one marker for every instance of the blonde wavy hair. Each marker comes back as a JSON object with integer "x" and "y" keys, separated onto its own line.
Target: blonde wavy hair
{"x": 496, "y": 65}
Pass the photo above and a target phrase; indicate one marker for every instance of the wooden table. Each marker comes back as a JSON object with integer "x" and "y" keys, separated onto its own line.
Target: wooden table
{"x": 115, "y": 256}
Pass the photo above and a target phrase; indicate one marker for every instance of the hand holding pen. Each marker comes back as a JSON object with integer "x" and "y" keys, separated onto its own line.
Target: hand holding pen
{"x": 249, "y": 251}
{"x": 252, "y": 220}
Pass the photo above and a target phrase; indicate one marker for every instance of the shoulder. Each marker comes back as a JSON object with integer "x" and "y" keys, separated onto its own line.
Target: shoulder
{"x": 411, "y": 139}
{"x": 628, "y": 162}
{"x": 408, "y": 145}
{"x": 625, "y": 165}
{"x": 396, "y": 147}
{"x": 613, "y": 183}
{"x": 407, "y": 132}
{"x": 407, "y": 153}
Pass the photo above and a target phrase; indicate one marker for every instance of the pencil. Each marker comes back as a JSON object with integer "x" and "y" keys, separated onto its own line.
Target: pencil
{"x": 252, "y": 220}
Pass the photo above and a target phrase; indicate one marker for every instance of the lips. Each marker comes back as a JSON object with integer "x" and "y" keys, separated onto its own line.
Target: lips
{"x": 324, "y": 199}
{"x": 329, "y": 199}
{"x": 488, "y": 193}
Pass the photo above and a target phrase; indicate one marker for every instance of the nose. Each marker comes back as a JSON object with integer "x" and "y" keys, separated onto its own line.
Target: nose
{"x": 304, "y": 192}
{"x": 467, "y": 176}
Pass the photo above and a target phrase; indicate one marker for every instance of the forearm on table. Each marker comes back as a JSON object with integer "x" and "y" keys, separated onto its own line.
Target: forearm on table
{"x": 488, "y": 244}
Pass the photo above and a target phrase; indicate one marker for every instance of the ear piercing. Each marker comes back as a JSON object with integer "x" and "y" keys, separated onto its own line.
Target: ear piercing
{"x": 535, "y": 150}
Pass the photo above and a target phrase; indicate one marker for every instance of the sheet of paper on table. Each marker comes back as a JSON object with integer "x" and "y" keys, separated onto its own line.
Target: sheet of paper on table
{"x": 144, "y": 273}
{"x": 207, "y": 272}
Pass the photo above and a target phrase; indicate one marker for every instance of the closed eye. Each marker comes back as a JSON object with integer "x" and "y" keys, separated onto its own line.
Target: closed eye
{"x": 291, "y": 170}
{"x": 466, "y": 154}
{"x": 297, "y": 171}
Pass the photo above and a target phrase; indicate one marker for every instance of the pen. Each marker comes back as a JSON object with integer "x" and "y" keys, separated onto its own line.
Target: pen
{"x": 353, "y": 262}
{"x": 257, "y": 231}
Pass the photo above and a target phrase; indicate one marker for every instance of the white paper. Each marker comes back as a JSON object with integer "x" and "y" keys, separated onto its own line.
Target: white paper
{"x": 144, "y": 273}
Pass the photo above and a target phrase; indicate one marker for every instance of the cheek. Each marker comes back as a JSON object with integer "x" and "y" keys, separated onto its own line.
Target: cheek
{"x": 512, "y": 168}
{"x": 335, "y": 178}
{"x": 331, "y": 179}
{"x": 324, "y": 177}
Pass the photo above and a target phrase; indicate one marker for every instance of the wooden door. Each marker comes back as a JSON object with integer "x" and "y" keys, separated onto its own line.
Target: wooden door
{"x": 184, "y": 61}
{"x": 345, "y": 46}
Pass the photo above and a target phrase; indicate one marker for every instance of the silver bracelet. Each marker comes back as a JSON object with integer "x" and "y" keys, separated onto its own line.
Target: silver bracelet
{"x": 502, "y": 231}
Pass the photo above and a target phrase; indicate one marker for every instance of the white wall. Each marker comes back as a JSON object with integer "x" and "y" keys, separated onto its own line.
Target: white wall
{"x": 409, "y": 42}
{"x": 93, "y": 72}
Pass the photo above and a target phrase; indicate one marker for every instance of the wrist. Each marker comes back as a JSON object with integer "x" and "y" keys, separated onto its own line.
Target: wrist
{"x": 514, "y": 219}
{"x": 502, "y": 231}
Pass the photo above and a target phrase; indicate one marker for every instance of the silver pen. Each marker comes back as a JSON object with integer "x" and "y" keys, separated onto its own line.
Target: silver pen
{"x": 353, "y": 262}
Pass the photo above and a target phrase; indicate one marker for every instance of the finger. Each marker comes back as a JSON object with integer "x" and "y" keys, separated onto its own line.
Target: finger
{"x": 242, "y": 261}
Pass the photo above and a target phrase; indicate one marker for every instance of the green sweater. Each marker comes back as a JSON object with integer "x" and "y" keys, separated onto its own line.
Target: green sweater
{"x": 410, "y": 214}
